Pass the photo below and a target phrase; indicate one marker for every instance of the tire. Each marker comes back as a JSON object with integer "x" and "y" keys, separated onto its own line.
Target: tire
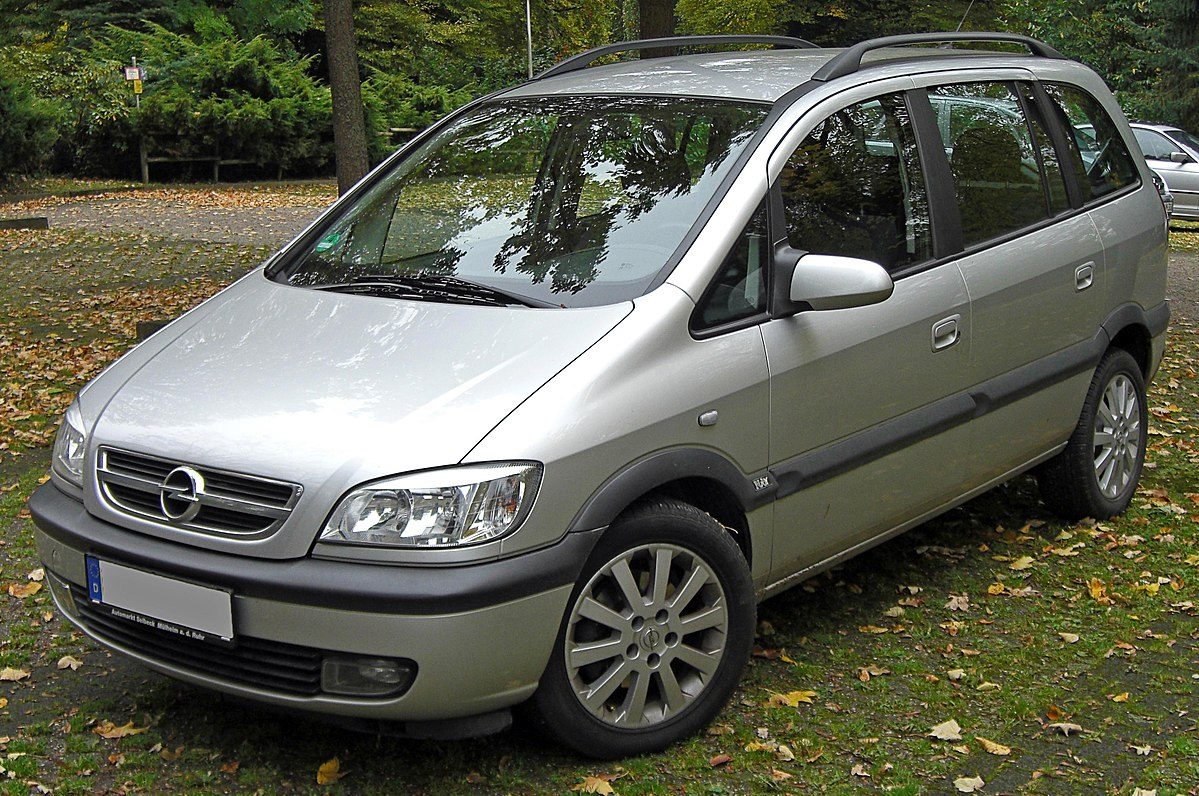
{"x": 1079, "y": 482}
{"x": 663, "y": 681}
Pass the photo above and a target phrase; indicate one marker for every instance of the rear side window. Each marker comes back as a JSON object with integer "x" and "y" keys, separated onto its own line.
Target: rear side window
{"x": 996, "y": 165}
{"x": 1100, "y": 156}
{"x": 1154, "y": 145}
{"x": 854, "y": 187}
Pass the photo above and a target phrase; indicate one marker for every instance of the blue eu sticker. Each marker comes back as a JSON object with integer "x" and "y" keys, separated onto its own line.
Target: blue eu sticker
{"x": 94, "y": 591}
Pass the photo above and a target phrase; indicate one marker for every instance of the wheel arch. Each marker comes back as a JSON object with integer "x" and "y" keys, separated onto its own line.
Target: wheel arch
{"x": 1131, "y": 328}
{"x": 704, "y": 478}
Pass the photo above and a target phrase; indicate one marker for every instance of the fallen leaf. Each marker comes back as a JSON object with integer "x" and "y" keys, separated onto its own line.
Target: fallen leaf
{"x": 956, "y": 674}
{"x": 720, "y": 760}
{"x": 1120, "y": 697}
{"x": 968, "y": 784}
{"x": 958, "y": 602}
{"x": 996, "y": 588}
{"x": 24, "y": 590}
{"x": 231, "y": 767}
{"x": 780, "y": 776}
{"x": 785, "y": 754}
{"x": 1023, "y": 562}
{"x": 38, "y": 575}
{"x": 873, "y": 670}
{"x": 1065, "y": 728}
{"x": 106, "y": 729}
{"x": 993, "y": 748}
{"x": 69, "y": 662}
{"x": 859, "y": 770}
{"x": 1144, "y": 792}
{"x": 329, "y": 772}
{"x": 947, "y": 731}
{"x": 988, "y": 687}
{"x": 594, "y": 785}
{"x": 11, "y": 675}
{"x": 873, "y": 629}
{"x": 1069, "y": 638}
{"x": 116, "y": 759}
{"x": 1144, "y": 751}
{"x": 791, "y": 699}
{"x": 1054, "y": 713}
{"x": 167, "y": 754}
{"x": 1098, "y": 591}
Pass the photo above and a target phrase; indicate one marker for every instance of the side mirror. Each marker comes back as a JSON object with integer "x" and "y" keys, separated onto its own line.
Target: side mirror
{"x": 831, "y": 282}
{"x": 1181, "y": 157}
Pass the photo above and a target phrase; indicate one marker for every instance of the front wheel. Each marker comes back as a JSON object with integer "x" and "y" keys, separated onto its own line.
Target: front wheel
{"x": 655, "y": 638}
{"x": 1097, "y": 472}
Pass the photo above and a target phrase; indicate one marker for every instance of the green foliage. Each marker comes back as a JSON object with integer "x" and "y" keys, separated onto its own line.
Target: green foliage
{"x": 217, "y": 93}
{"x": 92, "y": 103}
{"x": 26, "y": 129}
{"x": 729, "y": 16}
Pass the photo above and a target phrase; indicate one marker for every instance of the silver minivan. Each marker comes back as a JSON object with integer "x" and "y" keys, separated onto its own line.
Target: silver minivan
{"x": 540, "y": 410}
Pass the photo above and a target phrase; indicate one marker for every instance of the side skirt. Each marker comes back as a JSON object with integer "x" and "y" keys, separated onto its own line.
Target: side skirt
{"x": 796, "y": 578}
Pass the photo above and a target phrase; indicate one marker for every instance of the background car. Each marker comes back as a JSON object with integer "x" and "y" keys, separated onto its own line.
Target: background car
{"x": 1173, "y": 154}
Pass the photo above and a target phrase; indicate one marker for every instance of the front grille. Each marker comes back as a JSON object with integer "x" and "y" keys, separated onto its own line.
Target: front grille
{"x": 256, "y": 662}
{"x": 230, "y": 504}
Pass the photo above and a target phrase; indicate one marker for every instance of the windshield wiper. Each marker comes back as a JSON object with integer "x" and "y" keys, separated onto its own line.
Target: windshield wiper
{"x": 451, "y": 289}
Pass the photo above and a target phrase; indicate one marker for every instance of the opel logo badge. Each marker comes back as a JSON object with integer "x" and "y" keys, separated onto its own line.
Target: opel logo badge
{"x": 180, "y": 494}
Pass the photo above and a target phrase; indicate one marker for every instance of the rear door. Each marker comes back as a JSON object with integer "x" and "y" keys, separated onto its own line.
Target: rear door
{"x": 1031, "y": 259}
{"x": 859, "y": 397}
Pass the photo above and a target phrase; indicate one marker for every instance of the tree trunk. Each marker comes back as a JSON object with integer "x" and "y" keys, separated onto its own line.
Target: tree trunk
{"x": 349, "y": 122}
{"x": 657, "y": 20}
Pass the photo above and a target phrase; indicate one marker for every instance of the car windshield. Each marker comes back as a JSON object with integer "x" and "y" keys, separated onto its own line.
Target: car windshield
{"x": 1188, "y": 139}
{"x": 562, "y": 201}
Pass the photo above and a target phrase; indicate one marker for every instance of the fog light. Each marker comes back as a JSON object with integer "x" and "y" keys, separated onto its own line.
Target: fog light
{"x": 366, "y": 676}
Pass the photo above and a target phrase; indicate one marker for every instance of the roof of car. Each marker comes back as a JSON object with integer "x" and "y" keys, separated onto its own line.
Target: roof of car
{"x": 756, "y": 75}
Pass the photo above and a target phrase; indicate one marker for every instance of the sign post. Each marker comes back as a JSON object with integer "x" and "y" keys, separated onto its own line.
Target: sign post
{"x": 134, "y": 75}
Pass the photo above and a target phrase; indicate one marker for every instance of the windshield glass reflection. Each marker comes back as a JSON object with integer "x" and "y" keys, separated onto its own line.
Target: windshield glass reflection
{"x": 565, "y": 201}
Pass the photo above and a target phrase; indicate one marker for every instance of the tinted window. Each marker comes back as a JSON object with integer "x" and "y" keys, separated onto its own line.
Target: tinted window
{"x": 1100, "y": 155}
{"x": 575, "y": 201}
{"x": 1186, "y": 138}
{"x": 1154, "y": 146}
{"x": 1051, "y": 169}
{"x": 740, "y": 289}
{"x": 854, "y": 187}
{"x": 994, "y": 162}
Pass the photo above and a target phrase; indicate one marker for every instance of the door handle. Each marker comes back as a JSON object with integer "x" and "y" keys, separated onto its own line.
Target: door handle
{"x": 1084, "y": 276}
{"x": 946, "y": 333}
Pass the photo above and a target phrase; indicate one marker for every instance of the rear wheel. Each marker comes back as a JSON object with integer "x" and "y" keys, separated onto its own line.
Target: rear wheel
{"x": 655, "y": 638}
{"x": 1096, "y": 474}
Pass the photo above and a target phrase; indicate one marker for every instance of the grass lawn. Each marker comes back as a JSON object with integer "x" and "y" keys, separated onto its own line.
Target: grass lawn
{"x": 1067, "y": 655}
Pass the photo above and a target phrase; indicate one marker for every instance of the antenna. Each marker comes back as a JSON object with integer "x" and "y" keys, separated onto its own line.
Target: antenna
{"x": 529, "y": 33}
{"x": 963, "y": 22}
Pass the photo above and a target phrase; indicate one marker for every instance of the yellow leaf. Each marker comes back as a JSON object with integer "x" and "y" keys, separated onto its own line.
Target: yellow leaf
{"x": 791, "y": 699}
{"x": 11, "y": 675}
{"x": 968, "y": 784}
{"x": 107, "y": 729}
{"x": 23, "y": 590}
{"x": 996, "y": 588}
{"x": 873, "y": 629}
{"x": 1023, "y": 562}
{"x": 329, "y": 772}
{"x": 1120, "y": 697}
{"x": 947, "y": 731}
{"x": 992, "y": 747}
{"x": 1098, "y": 591}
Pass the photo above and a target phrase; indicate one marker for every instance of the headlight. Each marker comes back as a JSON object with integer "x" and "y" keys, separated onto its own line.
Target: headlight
{"x": 438, "y": 508}
{"x": 69, "y": 446}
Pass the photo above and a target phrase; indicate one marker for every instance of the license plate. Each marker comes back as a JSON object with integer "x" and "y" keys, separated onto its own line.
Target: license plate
{"x": 175, "y": 607}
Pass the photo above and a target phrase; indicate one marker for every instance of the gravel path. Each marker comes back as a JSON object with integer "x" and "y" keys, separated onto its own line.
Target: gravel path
{"x": 1183, "y": 286}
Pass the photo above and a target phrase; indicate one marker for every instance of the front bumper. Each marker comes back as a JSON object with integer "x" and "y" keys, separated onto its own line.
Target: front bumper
{"x": 480, "y": 635}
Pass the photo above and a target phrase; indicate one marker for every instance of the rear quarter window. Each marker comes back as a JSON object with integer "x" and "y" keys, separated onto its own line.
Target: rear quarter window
{"x": 1101, "y": 157}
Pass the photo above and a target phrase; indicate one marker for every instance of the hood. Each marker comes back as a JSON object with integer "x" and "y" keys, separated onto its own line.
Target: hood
{"x": 329, "y": 390}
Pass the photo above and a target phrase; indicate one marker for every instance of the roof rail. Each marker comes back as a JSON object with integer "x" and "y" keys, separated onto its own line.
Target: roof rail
{"x": 585, "y": 59}
{"x": 850, "y": 60}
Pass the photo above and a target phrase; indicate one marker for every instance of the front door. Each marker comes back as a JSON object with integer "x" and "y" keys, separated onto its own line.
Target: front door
{"x": 862, "y": 400}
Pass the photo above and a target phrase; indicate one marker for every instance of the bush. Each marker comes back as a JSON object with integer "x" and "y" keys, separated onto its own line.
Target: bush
{"x": 27, "y": 130}
{"x": 215, "y": 93}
